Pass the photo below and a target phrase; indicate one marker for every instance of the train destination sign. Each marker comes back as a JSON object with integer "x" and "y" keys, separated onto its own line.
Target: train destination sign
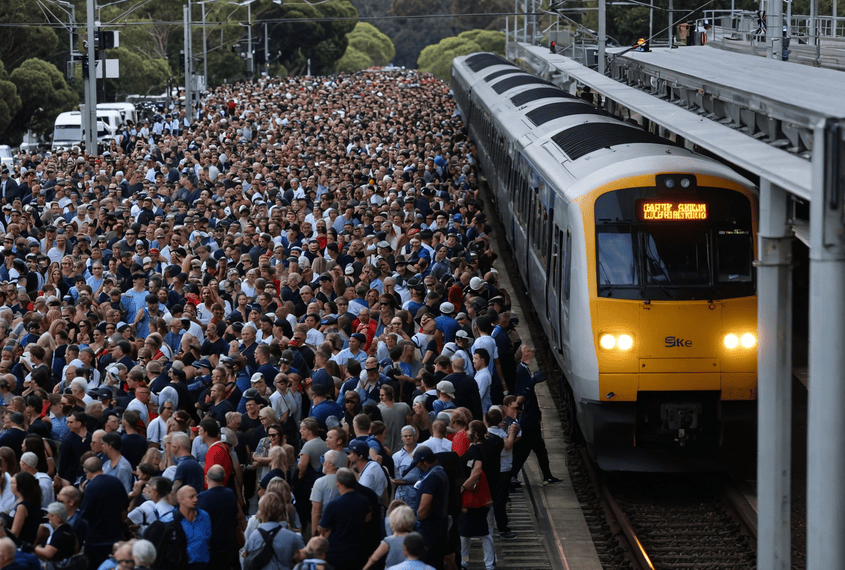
{"x": 662, "y": 211}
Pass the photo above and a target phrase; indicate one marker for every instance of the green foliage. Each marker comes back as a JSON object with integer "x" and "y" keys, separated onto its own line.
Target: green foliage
{"x": 10, "y": 101}
{"x": 366, "y": 38}
{"x": 18, "y": 43}
{"x": 353, "y": 60}
{"x": 45, "y": 95}
{"x": 489, "y": 40}
{"x": 225, "y": 67}
{"x": 437, "y": 59}
{"x": 138, "y": 75}
{"x": 324, "y": 42}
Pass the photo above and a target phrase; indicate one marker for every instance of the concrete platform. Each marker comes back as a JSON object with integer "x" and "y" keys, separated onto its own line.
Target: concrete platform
{"x": 554, "y": 511}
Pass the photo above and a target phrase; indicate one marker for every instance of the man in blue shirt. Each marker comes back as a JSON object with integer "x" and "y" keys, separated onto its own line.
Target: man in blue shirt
{"x": 432, "y": 511}
{"x": 196, "y": 523}
{"x": 104, "y": 508}
{"x": 343, "y": 524}
{"x": 221, "y": 504}
{"x": 188, "y": 470}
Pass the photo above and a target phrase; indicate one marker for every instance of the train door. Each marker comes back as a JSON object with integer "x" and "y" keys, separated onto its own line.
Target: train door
{"x": 553, "y": 296}
{"x": 566, "y": 279}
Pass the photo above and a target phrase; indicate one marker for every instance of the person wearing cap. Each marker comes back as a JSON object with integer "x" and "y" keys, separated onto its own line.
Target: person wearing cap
{"x": 445, "y": 397}
{"x": 370, "y": 472}
{"x": 433, "y": 507}
{"x": 446, "y": 322}
{"x": 354, "y": 352}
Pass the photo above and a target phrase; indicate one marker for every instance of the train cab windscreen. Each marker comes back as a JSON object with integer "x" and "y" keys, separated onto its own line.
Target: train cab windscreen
{"x": 653, "y": 244}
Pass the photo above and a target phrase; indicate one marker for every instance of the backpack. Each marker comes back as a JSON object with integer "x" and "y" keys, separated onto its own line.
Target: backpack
{"x": 170, "y": 542}
{"x": 259, "y": 559}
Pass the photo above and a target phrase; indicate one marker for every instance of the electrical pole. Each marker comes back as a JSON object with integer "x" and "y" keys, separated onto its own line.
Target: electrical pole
{"x": 249, "y": 60}
{"x": 204, "y": 48}
{"x": 188, "y": 88}
{"x": 603, "y": 34}
{"x": 89, "y": 122}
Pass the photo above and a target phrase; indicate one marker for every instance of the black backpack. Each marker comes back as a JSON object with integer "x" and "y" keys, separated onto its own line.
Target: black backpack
{"x": 170, "y": 542}
{"x": 259, "y": 559}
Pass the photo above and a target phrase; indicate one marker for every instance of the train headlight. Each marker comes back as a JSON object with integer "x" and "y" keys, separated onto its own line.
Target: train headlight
{"x": 625, "y": 342}
{"x": 748, "y": 340}
{"x": 685, "y": 183}
{"x": 731, "y": 341}
{"x": 607, "y": 341}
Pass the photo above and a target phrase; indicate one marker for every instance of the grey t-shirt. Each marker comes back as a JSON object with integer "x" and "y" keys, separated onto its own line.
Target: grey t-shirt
{"x": 394, "y": 419}
{"x": 324, "y": 490}
{"x": 314, "y": 449}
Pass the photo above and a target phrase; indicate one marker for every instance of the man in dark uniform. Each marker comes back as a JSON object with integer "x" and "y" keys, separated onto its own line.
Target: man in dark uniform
{"x": 531, "y": 418}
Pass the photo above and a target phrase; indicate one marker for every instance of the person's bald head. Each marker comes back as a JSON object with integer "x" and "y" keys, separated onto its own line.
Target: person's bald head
{"x": 7, "y": 551}
{"x": 216, "y": 476}
{"x": 93, "y": 467}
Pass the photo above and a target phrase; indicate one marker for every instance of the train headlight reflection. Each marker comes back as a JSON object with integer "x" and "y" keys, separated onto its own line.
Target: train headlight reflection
{"x": 748, "y": 340}
{"x": 625, "y": 342}
{"x": 731, "y": 341}
{"x": 607, "y": 341}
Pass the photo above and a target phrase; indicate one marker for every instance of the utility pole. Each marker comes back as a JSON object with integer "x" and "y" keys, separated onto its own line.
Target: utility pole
{"x": 204, "y": 47}
{"x": 189, "y": 111}
{"x": 89, "y": 122}
{"x": 603, "y": 34}
{"x": 266, "y": 54}
{"x": 250, "y": 62}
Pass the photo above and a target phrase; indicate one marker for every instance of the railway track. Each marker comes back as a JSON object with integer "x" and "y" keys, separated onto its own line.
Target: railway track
{"x": 677, "y": 521}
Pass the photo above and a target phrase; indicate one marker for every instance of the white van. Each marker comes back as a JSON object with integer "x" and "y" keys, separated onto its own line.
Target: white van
{"x": 6, "y": 156}
{"x": 67, "y": 131}
{"x": 111, "y": 117}
{"x": 126, "y": 110}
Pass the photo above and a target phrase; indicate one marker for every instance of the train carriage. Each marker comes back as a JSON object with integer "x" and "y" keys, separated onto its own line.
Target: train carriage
{"x": 637, "y": 255}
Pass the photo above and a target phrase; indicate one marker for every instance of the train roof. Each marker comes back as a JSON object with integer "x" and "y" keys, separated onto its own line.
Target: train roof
{"x": 566, "y": 138}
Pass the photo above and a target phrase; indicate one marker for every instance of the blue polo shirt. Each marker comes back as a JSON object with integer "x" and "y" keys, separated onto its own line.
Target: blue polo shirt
{"x": 198, "y": 534}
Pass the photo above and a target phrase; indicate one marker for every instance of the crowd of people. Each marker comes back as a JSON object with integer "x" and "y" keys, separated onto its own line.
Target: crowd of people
{"x": 272, "y": 337}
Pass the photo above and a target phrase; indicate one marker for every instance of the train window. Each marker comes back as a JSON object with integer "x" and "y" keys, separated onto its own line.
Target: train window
{"x": 617, "y": 262}
{"x": 554, "y": 274}
{"x": 567, "y": 265}
{"x": 669, "y": 260}
{"x": 710, "y": 258}
{"x": 736, "y": 256}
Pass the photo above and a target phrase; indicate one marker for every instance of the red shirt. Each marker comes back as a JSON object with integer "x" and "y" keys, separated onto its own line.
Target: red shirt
{"x": 218, "y": 454}
{"x": 370, "y": 331}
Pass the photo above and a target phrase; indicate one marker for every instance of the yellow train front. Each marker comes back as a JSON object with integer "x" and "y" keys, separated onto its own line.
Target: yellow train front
{"x": 637, "y": 255}
{"x": 673, "y": 305}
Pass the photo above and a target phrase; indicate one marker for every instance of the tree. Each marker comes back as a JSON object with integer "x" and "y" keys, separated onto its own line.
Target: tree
{"x": 353, "y": 60}
{"x": 315, "y": 32}
{"x": 437, "y": 59}
{"x": 10, "y": 101}
{"x": 18, "y": 42}
{"x": 44, "y": 94}
{"x": 489, "y": 40}
{"x": 366, "y": 38}
{"x": 137, "y": 74}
